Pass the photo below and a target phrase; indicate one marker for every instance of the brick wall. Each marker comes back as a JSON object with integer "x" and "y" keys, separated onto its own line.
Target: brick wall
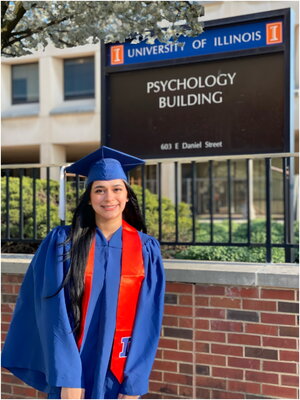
{"x": 218, "y": 342}
{"x": 223, "y": 342}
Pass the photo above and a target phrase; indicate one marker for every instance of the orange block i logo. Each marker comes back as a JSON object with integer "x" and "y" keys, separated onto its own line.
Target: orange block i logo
{"x": 117, "y": 54}
{"x": 274, "y": 32}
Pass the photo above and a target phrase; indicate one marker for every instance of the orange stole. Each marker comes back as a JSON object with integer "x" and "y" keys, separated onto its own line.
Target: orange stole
{"x": 132, "y": 275}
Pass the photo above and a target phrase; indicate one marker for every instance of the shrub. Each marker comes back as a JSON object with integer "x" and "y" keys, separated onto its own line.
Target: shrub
{"x": 220, "y": 229}
{"x": 239, "y": 235}
{"x": 41, "y": 204}
{"x": 151, "y": 202}
{"x": 168, "y": 216}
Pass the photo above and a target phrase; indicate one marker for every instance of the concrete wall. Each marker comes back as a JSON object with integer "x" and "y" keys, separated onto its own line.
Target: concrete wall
{"x": 229, "y": 331}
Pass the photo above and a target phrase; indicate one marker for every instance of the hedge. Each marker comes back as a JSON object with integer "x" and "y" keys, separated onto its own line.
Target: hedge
{"x": 220, "y": 228}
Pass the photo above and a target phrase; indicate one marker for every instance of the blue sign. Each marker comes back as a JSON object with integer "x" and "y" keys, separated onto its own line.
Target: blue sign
{"x": 213, "y": 40}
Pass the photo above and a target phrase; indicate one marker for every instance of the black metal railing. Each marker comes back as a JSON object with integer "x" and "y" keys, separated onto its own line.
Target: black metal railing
{"x": 30, "y": 209}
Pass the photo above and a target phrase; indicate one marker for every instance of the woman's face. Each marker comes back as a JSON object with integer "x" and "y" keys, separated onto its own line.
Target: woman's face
{"x": 108, "y": 199}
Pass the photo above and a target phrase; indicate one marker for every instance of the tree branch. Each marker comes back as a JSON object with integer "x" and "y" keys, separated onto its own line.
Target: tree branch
{"x": 20, "y": 35}
{"x": 9, "y": 26}
{"x": 4, "y": 7}
{"x": 41, "y": 28}
{"x": 62, "y": 41}
{"x": 21, "y": 30}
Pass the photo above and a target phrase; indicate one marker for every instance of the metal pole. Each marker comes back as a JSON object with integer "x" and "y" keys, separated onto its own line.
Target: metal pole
{"x": 211, "y": 200}
{"x": 159, "y": 204}
{"x": 21, "y": 219}
{"x": 144, "y": 191}
{"x": 34, "y": 203}
{"x": 7, "y": 205}
{"x": 62, "y": 196}
{"x": 268, "y": 211}
{"x": 194, "y": 201}
{"x": 229, "y": 201}
{"x": 48, "y": 199}
{"x": 176, "y": 201}
{"x": 248, "y": 201}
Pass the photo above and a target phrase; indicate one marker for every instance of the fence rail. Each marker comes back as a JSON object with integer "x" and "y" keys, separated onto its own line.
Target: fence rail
{"x": 15, "y": 203}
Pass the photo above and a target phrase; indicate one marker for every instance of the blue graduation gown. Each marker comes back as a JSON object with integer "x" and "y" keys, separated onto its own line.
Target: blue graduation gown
{"x": 40, "y": 347}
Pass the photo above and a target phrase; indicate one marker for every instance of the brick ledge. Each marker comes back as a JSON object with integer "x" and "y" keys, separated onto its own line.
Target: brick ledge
{"x": 232, "y": 273}
{"x": 202, "y": 272}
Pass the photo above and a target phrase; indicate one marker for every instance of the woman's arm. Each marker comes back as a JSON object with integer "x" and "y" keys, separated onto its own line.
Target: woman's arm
{"x": 50, "y": 357}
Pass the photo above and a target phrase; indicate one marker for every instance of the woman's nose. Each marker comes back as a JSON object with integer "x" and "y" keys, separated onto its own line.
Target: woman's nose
{"x": 109, "y": 195}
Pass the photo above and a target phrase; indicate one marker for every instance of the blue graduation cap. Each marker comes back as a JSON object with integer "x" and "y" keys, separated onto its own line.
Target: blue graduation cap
{"x": 104, "y": 164}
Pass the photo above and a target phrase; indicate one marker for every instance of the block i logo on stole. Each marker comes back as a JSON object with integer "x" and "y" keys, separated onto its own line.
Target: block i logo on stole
{"x": 117, "y": 54}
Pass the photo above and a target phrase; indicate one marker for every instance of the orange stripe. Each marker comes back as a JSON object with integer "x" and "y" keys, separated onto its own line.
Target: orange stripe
{"x": 88, "y": 280}
{"x": 132, "y": 275}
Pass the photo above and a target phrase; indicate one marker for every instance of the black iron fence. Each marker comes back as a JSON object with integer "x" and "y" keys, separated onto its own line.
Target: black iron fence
{"x": 172, "y": 195}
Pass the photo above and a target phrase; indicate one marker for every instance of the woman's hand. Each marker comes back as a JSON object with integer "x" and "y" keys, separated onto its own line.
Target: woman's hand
{"x": 72, "y": 393}
{"x": 126, "y": 396}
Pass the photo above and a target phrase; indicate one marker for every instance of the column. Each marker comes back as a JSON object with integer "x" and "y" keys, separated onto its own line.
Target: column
{"x": 52, "y": 154}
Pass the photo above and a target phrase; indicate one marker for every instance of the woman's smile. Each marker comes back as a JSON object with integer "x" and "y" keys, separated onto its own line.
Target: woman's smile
{"x": 110, "y": 207}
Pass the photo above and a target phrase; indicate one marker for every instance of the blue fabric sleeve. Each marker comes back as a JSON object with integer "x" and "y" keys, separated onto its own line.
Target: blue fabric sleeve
{"x": 147, "y": 323}
{"x": 40, "y": 348}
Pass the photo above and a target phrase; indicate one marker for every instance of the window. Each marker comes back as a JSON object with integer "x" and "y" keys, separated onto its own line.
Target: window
{"x": 25, "y": 83}
{"x": 79, "y": 79}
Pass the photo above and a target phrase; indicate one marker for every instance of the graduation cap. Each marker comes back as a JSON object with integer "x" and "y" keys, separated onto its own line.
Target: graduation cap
{"x": 104, "y": 164}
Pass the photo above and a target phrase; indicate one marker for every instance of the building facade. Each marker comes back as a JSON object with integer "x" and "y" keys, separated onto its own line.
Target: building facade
{"x": 51, "y": 113}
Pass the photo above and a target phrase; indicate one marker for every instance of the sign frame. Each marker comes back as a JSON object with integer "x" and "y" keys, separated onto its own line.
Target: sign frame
{"x": 285, "y": 14}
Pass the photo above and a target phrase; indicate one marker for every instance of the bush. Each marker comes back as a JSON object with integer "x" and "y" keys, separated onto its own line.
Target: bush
{"x": 168, "y": 216}
{"x": 239, "y": 235}
{"x": 41, "y": 204}
{"x": 151, "y": 202}
{"x": 220, "y": 229}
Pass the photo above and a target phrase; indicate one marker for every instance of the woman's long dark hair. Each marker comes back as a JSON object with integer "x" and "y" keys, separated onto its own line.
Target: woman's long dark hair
{"x": 81, "y": 235}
